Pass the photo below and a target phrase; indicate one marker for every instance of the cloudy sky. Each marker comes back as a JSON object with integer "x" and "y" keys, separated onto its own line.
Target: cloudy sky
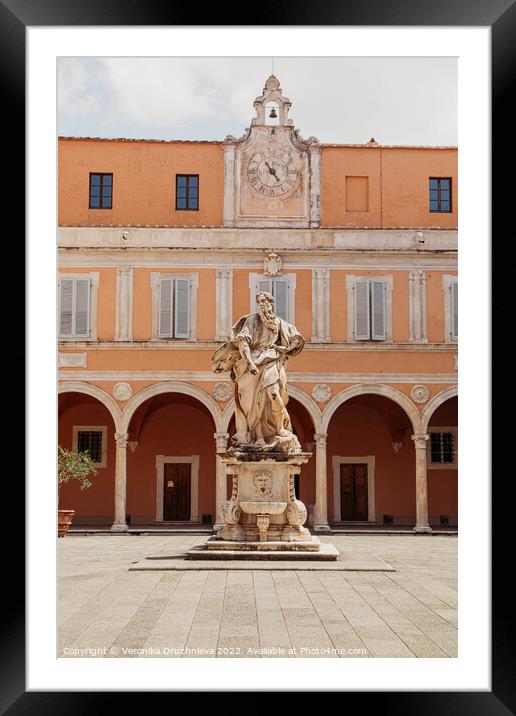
{"x": 342, "y": 100}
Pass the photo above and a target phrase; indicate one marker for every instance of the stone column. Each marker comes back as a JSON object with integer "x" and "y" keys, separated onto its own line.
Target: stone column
{"x": 321, "y": 484}
{"x": 421, "y": 484}
{"x": 224, "y": 304}
{"x": 119, "y": 525}
{"x": 221, "y": 441}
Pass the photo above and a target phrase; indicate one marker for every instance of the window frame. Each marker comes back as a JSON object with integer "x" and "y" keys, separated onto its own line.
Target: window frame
{"x": 188, "y": 177}
{"x": 439, "y": 210}
{"x": 351, "y": 281}
{"x": 101, "y": 175}
{"x": 91, "y": 429}
{"x": 193, "y": 278}
{"x": 442, "y": 465}
{"x": 94, "y": 286}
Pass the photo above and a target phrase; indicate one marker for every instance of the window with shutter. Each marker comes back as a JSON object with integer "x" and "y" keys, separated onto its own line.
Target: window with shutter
{"x": 174, "y": 307}
{"x": 74, "y": 307}
{"x": 370, "y": 310}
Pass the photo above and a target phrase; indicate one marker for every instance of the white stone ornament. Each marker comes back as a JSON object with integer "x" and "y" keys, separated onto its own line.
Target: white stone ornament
{"x": 222, "y": 392}
{"x": 122, "y": 391}
{"x": 420, "y": 394}
{"x": 272, "y": 265}
{"x": 321, "y": 393}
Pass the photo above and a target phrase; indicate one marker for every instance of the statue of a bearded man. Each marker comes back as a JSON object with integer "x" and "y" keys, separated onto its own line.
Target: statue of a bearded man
{"x": 260, "y": 345}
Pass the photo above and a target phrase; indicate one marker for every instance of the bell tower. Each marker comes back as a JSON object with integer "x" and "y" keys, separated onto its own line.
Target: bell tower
{"x": 272, "y": 174}
{"x": 272, "y": 98}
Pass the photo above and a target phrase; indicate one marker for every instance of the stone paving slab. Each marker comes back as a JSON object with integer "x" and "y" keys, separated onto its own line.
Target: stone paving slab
{"x": 106, "y": 610}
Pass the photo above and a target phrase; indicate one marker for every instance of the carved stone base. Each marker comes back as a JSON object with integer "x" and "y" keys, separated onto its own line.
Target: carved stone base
{"x": 263, "y": 516}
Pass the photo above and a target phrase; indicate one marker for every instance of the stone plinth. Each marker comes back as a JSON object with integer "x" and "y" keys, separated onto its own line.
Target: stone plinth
{"x": 263, "y": 519}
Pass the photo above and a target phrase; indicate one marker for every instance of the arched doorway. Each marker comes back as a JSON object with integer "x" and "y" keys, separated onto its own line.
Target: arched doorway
{"x": 370, "y": 457}
{"x": 171, "y": 457}
{"x": 442, "y": 463}
{"x": 86, "y": 422}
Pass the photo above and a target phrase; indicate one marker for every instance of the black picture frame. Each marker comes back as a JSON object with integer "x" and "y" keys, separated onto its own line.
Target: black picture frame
{"x": 500, "y": 16}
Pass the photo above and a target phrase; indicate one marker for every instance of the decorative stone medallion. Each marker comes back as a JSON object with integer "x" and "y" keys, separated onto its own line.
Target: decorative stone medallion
{"x": 122, "y": 391}
{"x": 222, "y": 392}
{"x": 272, "y": 265}
{"x": 263, "y": 483}
{"x": 420, "y": 394}
{"x": 321, "y": 393}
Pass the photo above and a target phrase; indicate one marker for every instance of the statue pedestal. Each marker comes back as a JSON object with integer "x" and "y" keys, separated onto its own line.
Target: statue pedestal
{"x": 263, "y": 519}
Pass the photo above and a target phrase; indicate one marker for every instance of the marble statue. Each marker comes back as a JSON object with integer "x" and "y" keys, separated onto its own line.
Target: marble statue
{"x": 256, "y": 356}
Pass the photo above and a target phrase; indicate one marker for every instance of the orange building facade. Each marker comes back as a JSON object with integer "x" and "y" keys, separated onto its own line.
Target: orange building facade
{"x": 163, "y": 246}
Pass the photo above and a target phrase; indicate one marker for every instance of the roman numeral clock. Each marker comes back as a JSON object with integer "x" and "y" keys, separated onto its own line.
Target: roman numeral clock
{"x": 271, "y": 174}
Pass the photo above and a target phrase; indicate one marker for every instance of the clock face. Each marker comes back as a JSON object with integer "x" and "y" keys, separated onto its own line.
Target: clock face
{"x": 272, "y": 174}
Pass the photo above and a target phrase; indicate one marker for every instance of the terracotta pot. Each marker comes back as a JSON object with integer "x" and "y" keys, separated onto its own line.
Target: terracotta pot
{"x": 64, "y": 520}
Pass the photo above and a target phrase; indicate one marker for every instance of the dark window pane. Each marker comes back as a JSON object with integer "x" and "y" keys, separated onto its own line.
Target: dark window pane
{"x": 90, "y": 442}
{"x": 106, "y": 203}
{"x": 107, "y": 179}
{"x": 181, "y": 180}
{"x": 433, "y": 183}
{"x": 434, "y": 195}
{"x": 434, "y": 206}
{"x": 193, "y": 204}
{"x": 181, "y": 203}
{"x": 194, "y": 181}
{"x": 445, "y": 206}
{"x": 193, "y": 192}
{"x": 181, "y": 191}
{"x": 94, "y": 178}
{"x": 445, "y": 183}
{"x": 445, "y": 194}
{"x": 447, "y": 447}
{"x": 435, "y": 447}
{"x": 95, "y": 202}
{"x": 106, "y": 191}
{"x": 95, "y": 191}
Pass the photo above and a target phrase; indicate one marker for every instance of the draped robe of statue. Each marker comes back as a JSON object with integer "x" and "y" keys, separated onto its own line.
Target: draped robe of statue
{"x": 270, "y": 350}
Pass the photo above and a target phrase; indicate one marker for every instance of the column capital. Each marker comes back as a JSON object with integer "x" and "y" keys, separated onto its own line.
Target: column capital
{"x": 420, "y": 441}
{"x": 221, "y": 441}
{"x": 320, "y": 439}
{"x": 122, "y": 439}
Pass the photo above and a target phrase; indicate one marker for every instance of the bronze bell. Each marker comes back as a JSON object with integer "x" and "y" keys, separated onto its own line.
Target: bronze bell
{"x": 273, "y": 113}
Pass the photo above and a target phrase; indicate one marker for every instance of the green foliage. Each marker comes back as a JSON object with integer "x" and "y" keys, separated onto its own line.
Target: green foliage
{"x": 74, "y": 465}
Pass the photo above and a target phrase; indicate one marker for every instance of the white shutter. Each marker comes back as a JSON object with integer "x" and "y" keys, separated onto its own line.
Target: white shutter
{"x": 82, "y": 306}
{"x": 182, "y": 308}
{"x": 455, "y": 312}
{"x": 65, "y": 307}
{"x": 378, "y": 310}
{"x": 165, "y": 306}
{"x": 362, "y": 330}
{"x": 280, "y": 293}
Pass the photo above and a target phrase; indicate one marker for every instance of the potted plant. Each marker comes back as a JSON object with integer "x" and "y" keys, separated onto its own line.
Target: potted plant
{"x": 72, "y": 465}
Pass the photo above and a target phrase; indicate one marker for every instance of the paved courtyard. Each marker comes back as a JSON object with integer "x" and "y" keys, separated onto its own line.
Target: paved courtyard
{"x": 107, "y": 610}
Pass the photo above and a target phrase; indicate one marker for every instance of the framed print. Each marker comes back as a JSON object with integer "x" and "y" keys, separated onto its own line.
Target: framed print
{"x": 184, "y": 201}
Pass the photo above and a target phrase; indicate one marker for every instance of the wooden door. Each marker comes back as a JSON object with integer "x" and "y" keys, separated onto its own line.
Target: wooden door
{"x": 176, "y": 492}
{"x": 353, "y": 492}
